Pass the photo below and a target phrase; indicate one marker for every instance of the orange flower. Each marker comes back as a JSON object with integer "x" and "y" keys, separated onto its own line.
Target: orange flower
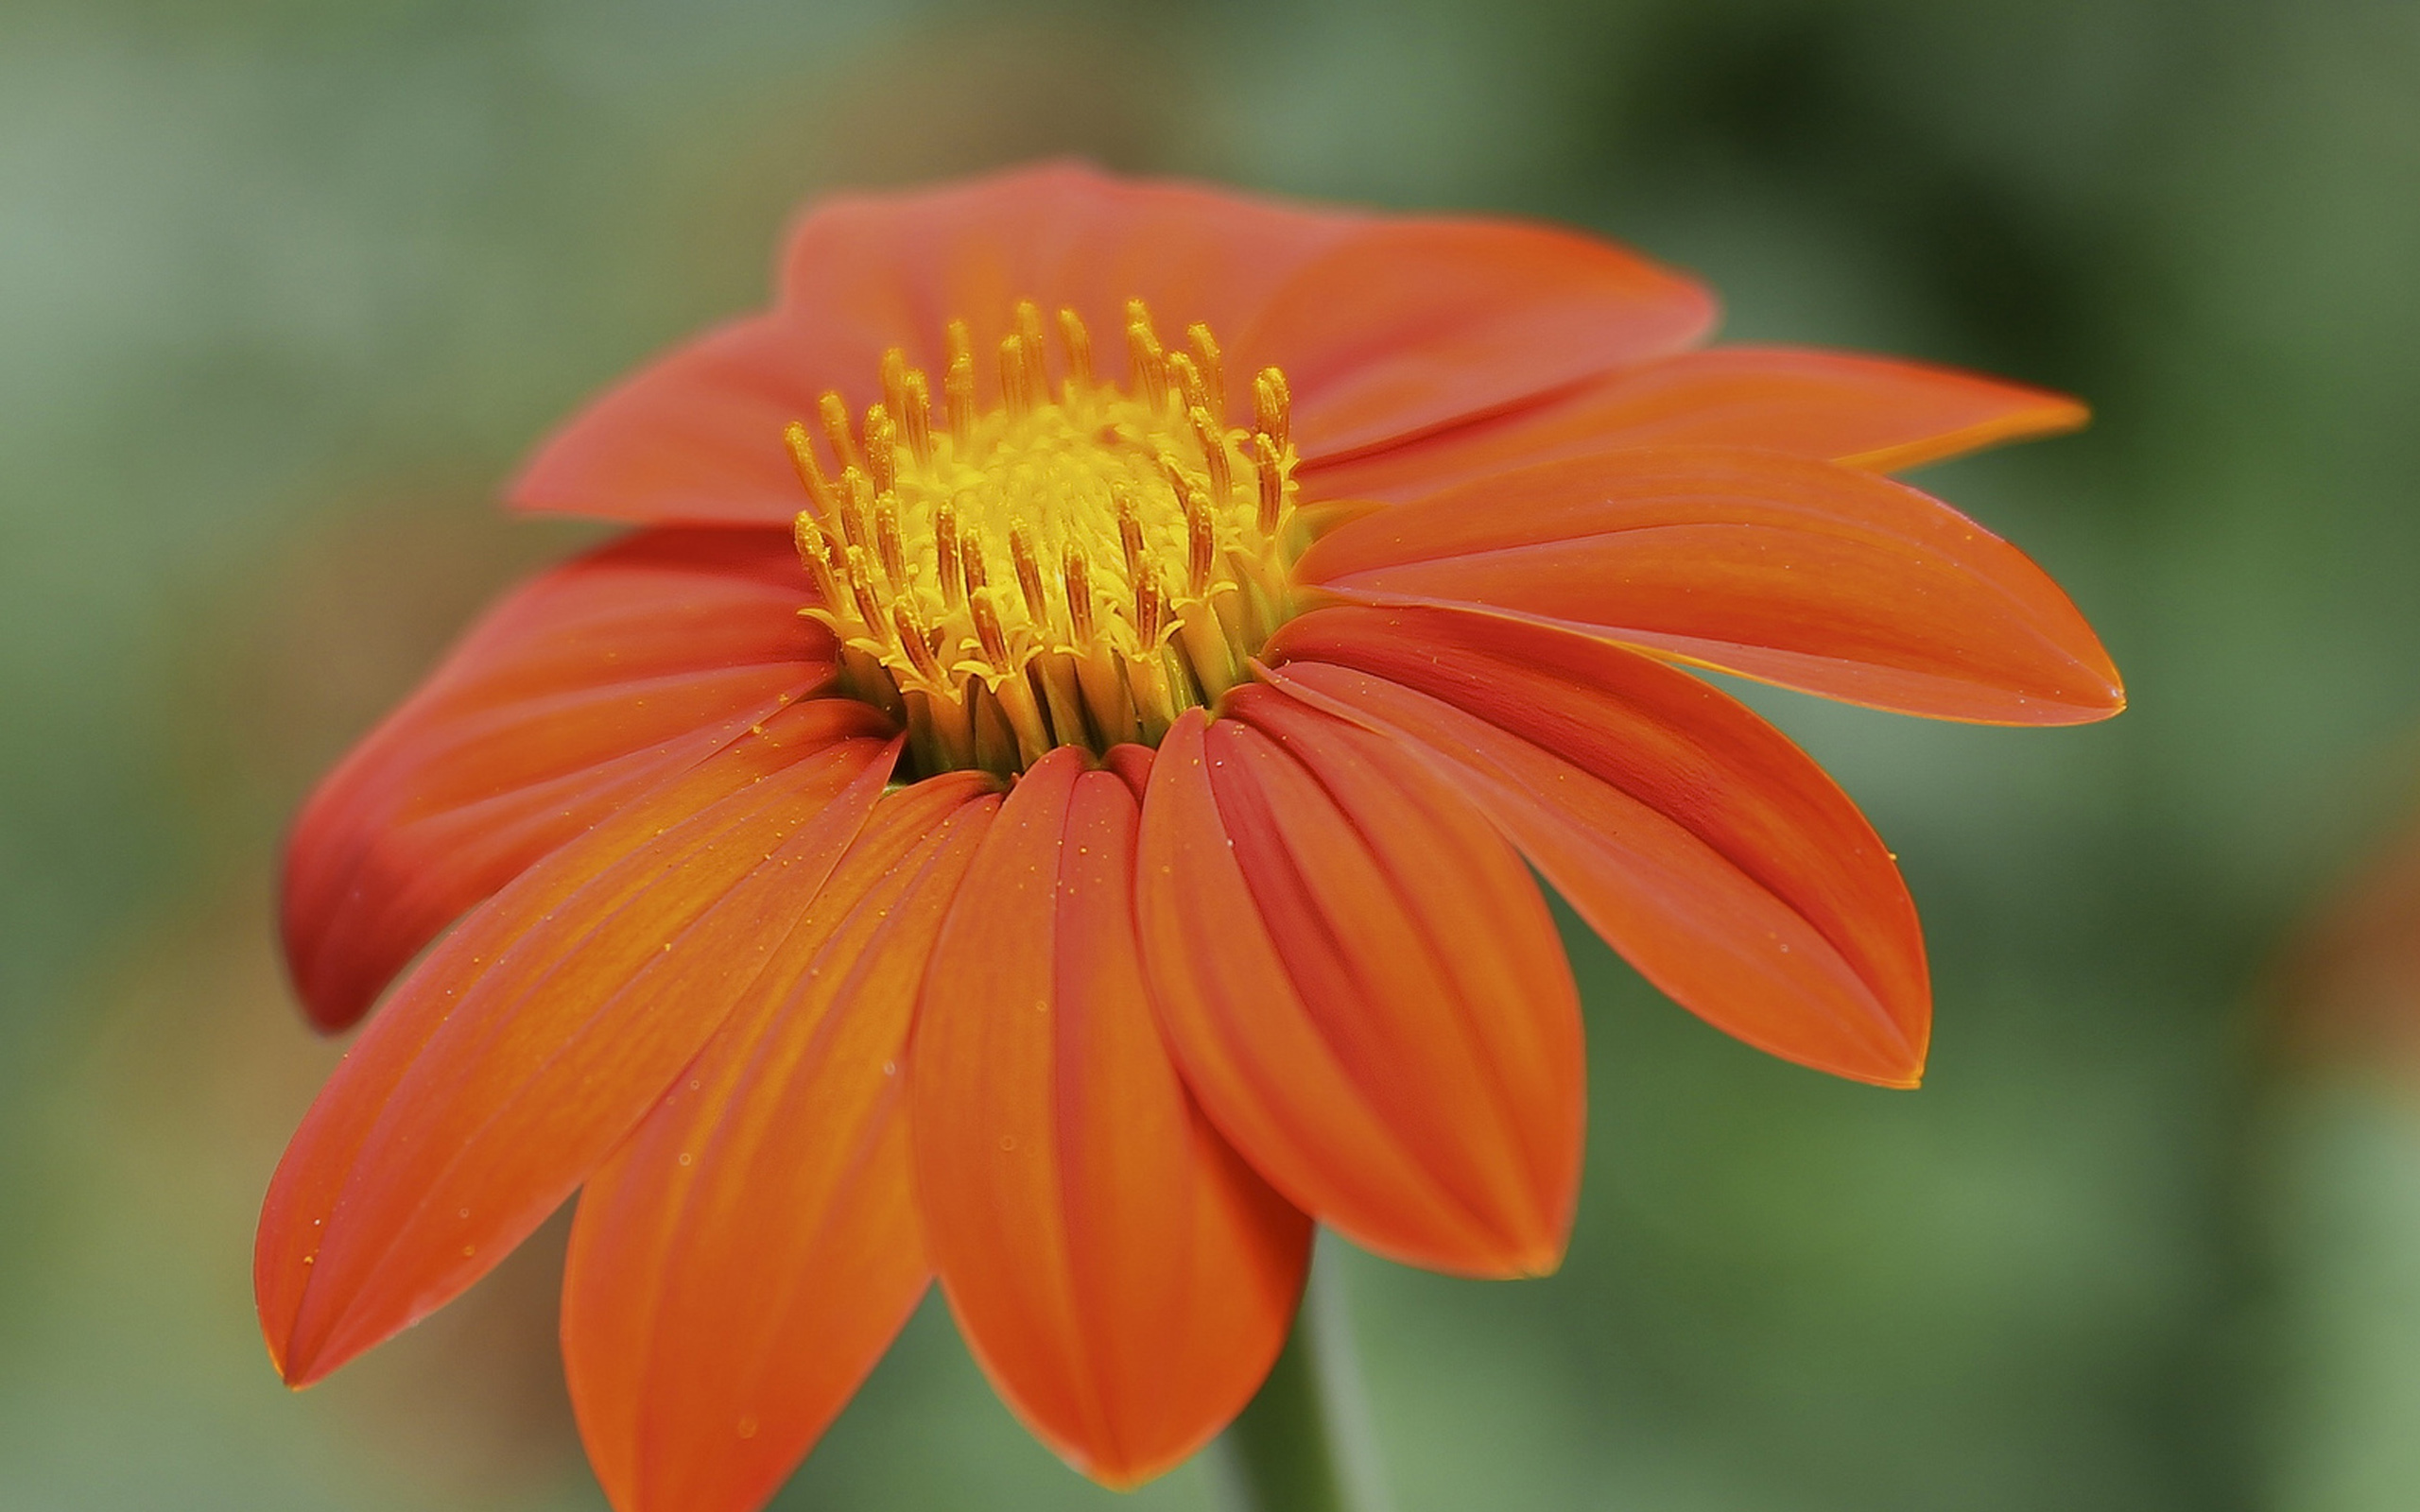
{"x": 1056, "y": 817}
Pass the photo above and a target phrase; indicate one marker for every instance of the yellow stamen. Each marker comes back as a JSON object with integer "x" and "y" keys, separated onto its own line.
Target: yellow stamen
{"x": 958, "y": 384}
{"x": 1272, "y": 407}
{"x": 856, "y": 508}
{"x": 1029, "y": 566}
{"x": 1214, "y": 372}
{"x": 1077, "y": 577}
{"x": 888, "y": 540}
{"x": 1150, "y": 361}
{"x": 1078, "y": 342}
{"x": 916, "y": 415}
{"x": 1015, "y": 378}
{"x": 1269, "y": 464}
{"x": 810, "y": 472}
{"x": 815, "y": 553}
{"x": 917, "y": 641}
{"x": 988, "y": 633}
{"x": 1200, "y": 543}
{"x": 1129, "y": 527}
{"x": 1037, "y": 357}
{"x": 895, "y": 381}
{"x": 882, "y": 449}
{"x": 970, "y": 554}
{"x": 1146, "y": 569}
{"x": 1186, "y": 378}
{"x": 950, "y": 567}
{"x": 1151, "y": 606}
{"x": 1214, "y": 454}
{"x": 862, "y": 590}
{"x": 834, "y": 410}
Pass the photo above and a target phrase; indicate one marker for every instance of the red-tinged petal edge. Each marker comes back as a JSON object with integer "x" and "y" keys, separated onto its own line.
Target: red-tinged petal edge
{"x": 1877, "y": 413}
{"x": 1702, "y": 844}
{"x": 532, "y": 1039}
{"x": 746, "y": 1257}
{"x": 1363, "y": 987}
{"x": 1803, "y": 574}
{"x": 1123, "y": 1277}
{"x": 587, "y": 685}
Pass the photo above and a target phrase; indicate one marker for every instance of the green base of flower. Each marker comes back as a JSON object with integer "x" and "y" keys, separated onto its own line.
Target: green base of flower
{"x": 1303, "y": 1444}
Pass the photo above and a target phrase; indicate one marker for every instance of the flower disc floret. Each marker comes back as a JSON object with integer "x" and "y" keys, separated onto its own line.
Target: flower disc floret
{"x": 1077, "y": 564}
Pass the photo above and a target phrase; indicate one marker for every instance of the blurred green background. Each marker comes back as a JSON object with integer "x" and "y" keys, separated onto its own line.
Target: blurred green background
{"x": 286, "y": 288}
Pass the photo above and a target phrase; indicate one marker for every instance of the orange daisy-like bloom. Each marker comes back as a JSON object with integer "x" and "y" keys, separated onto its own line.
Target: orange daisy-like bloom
{"x": 1041, "y": 800}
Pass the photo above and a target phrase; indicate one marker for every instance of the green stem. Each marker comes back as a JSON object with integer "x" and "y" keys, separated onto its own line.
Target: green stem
{"x": 1303, "y": 1444}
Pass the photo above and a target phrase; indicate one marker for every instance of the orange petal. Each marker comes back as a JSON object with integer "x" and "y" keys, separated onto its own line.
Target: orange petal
{"x": 695, "y": 437}
{"x": 1410, "y": 326}
{"x": 537, "y": 1034}
{"x": 1124, "y": 1278}
{"x": 1703, "y": 845}
{"x": 698, "y": 434}
{"x": 744, "y": 1259}
{"x": 1363, "y": 987}
{"x": 1386, "y": 327}
{"x": 589, "y": 684}
{"x": 1803, "y": 574}
{"x": 1878, "y": 413}
{"x": 894, "y": 267}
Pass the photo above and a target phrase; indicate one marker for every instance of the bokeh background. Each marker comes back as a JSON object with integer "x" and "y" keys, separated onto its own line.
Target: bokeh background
{"x": 286, "y": 288}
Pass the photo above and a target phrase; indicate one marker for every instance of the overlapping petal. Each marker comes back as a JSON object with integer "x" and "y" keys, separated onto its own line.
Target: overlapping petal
{"x": 898, "y": 266}
{"x": 1413, "y": 325}
{"x": 1124, "y": 1278}
{"x": 741, "y": 1262}
{"x": 1878, "y": 413}
{"x": 540, "y": 1031}
{"x": 1800, "y": 573}
{"x": 1363, "y": 985}
{"x": 1388, "y": 327}
{"x": 1707, "y": 848}
{"x": 585, "y": 686}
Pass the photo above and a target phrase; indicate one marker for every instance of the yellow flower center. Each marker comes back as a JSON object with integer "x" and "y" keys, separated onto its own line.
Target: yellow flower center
{"x": 1075, "y": 565}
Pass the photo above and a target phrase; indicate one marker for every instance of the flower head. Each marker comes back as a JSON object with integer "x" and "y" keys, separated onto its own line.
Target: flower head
{"x": 1042, "y": 800}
